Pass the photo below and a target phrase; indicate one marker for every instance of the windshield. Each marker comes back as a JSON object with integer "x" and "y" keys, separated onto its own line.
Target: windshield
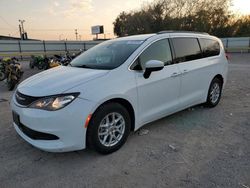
{"x": 107, "y": 55}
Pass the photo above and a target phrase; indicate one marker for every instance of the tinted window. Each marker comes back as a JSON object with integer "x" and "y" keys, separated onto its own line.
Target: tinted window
{"x": 186, "y": 49}
{"x": 107, "y": 55}
{"x": 159, "y": 50}
{"x": 210, "y": 47}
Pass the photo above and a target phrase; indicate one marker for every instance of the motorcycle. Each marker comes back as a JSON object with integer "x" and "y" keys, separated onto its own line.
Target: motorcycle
{"x": 2, "y": 70}
{"x": 13, "y": 72}
{"x": 59, "y": 60}
{"x": 38, "y": 61}
{"x": 53, "y": 62}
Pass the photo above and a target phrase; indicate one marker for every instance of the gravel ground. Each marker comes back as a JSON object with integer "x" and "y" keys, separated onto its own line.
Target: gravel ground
{"x": 197, "y": 147}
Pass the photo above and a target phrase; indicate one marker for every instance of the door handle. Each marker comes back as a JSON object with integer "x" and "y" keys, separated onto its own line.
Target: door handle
{"x": 185, "y": 71}
{"x": 175, "y": 74}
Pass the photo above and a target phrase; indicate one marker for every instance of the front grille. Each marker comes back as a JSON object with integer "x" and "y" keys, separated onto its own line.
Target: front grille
{"x": 24, "y": 100}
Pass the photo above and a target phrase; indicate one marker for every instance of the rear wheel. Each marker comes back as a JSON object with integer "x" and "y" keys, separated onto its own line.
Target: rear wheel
{"x": 109, "y": 128}
{"x": 11, "y": 84}
{"x": 214, "y": 93}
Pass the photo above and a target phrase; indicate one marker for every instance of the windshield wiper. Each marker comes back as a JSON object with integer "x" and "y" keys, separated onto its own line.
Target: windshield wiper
{"x": 83, "y": 66}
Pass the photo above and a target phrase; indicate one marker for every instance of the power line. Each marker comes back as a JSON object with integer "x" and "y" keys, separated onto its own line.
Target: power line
{"x": 62, "y": 29}
{"x": 4, "y": 28}
{"x": 2, "y": 18}
{"x": 43, "y": 29}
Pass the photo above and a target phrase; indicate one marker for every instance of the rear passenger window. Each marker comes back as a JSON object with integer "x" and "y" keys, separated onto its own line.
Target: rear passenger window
{"x": 186, "y": 49}
{"x": 210, "y": 47}
{"x": 160, "y": 50}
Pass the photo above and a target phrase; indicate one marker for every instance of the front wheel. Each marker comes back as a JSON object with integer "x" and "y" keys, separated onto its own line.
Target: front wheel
{"x": 31, "y": 64}
{"x": 40, "y": 65}
{"x": 214, "y": 93}
{"x": 2, "y": 76}
{"x": 109, "y": 128}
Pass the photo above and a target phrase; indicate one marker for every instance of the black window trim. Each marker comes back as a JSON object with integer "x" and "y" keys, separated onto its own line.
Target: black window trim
{"x": 200, "y": 38}
{"x": 138, "y": 55}
{"x": 186, "y": 37}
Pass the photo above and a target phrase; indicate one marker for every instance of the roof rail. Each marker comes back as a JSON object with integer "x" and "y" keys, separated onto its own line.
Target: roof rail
{"x": 173, "y": 31}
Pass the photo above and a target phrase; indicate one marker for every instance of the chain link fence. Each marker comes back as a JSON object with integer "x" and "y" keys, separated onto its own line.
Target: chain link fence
{"x": 240, "y": 44}
{"x": 24, "y": 49}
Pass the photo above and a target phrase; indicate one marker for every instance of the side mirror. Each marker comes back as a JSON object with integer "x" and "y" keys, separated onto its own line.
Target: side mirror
{"x": 151, "y": 66}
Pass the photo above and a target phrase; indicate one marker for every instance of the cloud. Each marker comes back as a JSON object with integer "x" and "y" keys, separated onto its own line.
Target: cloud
{"x": 56, "y": 4}
{"x": 77, "y": 8}
{"x": 83, "y": 4}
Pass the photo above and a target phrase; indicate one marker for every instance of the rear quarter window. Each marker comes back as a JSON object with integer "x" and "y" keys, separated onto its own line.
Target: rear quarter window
{"x": 186, "y": 49}
{"x": 209, "y": 47}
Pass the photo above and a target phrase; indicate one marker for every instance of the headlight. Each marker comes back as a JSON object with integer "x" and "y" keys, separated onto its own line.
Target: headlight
{"x": 53, "y": 103}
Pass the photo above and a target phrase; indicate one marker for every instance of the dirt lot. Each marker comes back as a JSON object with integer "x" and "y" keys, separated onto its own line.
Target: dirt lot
{"x": 212, "y": 148}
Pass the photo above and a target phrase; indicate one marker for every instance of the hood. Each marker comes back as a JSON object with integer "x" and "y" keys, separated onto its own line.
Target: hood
{"x": 58, "y": 80}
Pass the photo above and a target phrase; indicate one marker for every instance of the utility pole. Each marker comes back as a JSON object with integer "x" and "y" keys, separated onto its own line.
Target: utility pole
{"x": 21, "y": 29}
{"x": 22, "y": 21}
{"x": 76, "y": 34}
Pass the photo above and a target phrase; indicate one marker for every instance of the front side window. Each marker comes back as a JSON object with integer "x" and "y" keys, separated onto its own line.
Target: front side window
{"x": 210, "y": 47}
{"x": 160, "y": 50}
{"x": 107, "y": 55}
{"x": 186, "y": 49}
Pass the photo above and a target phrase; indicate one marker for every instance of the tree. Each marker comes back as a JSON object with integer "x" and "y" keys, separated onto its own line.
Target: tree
{"x": 212, "y": 16}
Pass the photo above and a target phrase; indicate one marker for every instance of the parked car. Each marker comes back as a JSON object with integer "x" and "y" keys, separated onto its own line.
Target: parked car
{"x": 117, "y": 87}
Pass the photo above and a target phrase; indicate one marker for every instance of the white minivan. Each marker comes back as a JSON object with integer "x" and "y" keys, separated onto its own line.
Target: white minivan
{"x": 117, "y": 87}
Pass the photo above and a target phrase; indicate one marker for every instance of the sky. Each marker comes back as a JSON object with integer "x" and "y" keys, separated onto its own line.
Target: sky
{"x": 58, "y": 19}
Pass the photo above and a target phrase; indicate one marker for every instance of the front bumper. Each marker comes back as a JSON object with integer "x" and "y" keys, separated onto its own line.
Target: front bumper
{"x": 67, "y": 124}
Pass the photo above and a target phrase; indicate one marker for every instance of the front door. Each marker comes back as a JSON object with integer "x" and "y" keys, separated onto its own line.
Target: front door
{"x": 158, "y": 95}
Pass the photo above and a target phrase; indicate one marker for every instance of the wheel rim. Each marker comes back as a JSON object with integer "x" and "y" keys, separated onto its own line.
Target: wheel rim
{"x": 215, "y": 93}
{"x": 111, "y": 129}
{"x": 2, "y": 76}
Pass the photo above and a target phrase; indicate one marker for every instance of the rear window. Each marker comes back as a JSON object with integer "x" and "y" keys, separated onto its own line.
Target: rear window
{"x": 186, "y": 49}
{"x": 210, "y": 47}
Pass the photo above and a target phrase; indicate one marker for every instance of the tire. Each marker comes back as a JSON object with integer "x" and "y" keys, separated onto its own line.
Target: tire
{"x": 32, "y": 64}
{"x": 97, "y": 129}
{"x": 40, "y": 65}
{"x": 214, "y": 93}
{"x": 46, "y": 66}
{"x": 2, "y": 76}
{"x": 11, "y": 84}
